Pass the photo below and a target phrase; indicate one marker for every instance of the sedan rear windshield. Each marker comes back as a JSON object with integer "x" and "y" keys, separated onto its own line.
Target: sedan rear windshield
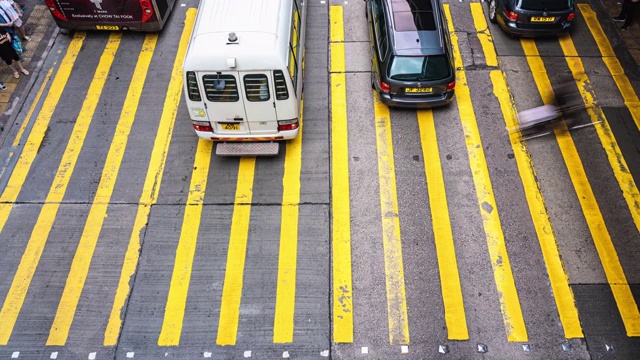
{"x": 545, "y": 5}
{"x": 419, "y": 68}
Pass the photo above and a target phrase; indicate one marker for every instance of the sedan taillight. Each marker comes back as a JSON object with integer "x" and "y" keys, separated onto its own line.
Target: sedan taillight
{"x": 384, "y": 87}
{"x": 571, "y": 16}
{"x": 512, "y": 16}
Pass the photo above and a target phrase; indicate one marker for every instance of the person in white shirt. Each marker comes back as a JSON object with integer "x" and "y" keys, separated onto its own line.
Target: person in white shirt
{"x": 12, "y": 10}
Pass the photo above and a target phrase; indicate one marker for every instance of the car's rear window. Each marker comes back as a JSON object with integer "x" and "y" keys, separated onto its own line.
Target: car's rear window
{"x": 412, "y": 15}
{"x": 419, "y": 68}
{"x": 545, "y": 5}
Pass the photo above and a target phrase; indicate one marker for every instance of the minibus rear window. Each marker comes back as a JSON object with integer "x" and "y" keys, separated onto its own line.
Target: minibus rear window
{"x": 222, "y": 88}
{"x": 256, "y": 87}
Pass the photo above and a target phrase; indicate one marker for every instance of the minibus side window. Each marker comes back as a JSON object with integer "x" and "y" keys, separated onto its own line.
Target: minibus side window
{"x": 220, "y": 88}
{"x": 256, "y": 87}
{"x": 281, "y": 85}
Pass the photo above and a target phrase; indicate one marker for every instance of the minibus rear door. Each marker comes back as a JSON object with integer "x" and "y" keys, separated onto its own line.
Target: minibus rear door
{"x": 259, "y": 102}
{"x": 225, "y": 105}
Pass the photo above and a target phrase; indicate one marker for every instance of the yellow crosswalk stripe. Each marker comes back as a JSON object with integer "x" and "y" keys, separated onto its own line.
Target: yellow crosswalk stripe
{"x": 599, "y": 233}
{"x": 563, "y": 295}
{"x": 288, "y": 252}
{"x": 342, "y": 313}
{"x": 630, "y": 314}
{"x": 177, "y": 297}
{"x": 151, "y": 184}
{"x": 98, "y": 211}
{"x": 454, "y": 313}
{"x": 503, "y": 275}
{"x": 609, "y": 144}
{"x": 391, "y": 238}
{"x": 27, "y": 119}
{"x": 234, "y": 270}
{"x": 31, "y": 257}
{"x": 32, "y": 145}
{"x": 612, "y": 63}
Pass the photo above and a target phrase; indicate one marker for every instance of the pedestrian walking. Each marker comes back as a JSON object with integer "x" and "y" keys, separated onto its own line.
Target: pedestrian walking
{"x": 626, "y": 13}
{"x": 12, "y": 12}
{"x": 9, "y": 55}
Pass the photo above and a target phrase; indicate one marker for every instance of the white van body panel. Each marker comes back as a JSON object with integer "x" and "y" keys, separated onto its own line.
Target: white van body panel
{"x": 263, "y": 29}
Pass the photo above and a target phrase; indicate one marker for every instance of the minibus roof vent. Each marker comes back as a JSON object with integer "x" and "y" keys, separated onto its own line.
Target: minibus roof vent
{"x": 232, "y": 37}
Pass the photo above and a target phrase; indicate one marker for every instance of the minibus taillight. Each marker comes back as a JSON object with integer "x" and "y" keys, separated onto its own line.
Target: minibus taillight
{"x": 451, "y": 85}
{"x": 202, "y": 126}
{"x": 284, "y": 125}
{"x": 192, "y": 87}
{"x": 147, "y": 10}
{"x": 54, "y": 10}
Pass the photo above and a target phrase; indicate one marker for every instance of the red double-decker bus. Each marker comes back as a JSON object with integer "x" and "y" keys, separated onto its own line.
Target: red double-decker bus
{"x": 136, "y": 15}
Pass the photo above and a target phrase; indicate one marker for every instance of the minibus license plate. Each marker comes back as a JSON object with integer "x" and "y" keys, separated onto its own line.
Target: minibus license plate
{"x": 228, "y": 126}
{"x": 542, "y": 19}
{"x": 107, "y": 27}
{"x": 419, "y": 90}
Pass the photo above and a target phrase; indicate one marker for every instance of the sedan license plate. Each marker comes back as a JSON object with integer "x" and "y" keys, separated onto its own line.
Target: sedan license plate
{"x": 230, "y": 126}
{"x": 418, "y": 90}
{"x": 542, "y": 19}
{"x": 107, "y": 27}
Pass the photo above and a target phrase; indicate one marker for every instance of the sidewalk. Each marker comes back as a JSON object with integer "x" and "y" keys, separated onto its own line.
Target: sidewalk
{"x": 631, "y": 36}
{"x": 37, "y": 24}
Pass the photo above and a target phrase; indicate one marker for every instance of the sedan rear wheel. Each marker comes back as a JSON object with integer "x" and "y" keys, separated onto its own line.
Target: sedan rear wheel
{"x": 492, "y": 11}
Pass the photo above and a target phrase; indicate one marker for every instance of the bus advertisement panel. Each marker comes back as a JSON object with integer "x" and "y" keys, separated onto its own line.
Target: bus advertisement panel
{"x": 138, "y": 15}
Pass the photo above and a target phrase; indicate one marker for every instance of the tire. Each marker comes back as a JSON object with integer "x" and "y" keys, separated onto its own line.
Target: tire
{"x": 492, "y": 11}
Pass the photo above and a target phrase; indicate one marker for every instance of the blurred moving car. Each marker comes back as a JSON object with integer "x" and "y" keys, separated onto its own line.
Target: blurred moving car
{"x": 532, "y": 17}
{"x": 411, "y": 60}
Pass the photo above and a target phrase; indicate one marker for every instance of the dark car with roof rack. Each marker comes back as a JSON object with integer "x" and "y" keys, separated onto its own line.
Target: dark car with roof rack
{"x": 411, "y": 58}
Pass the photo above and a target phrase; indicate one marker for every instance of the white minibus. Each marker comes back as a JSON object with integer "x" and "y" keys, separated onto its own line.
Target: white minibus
{"x": 243, "y": 73}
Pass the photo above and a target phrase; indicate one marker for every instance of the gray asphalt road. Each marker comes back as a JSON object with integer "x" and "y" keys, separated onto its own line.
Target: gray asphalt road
{"x": 123, "y": 237}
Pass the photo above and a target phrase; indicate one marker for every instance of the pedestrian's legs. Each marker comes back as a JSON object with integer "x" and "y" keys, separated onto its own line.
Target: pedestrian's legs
{"x": 631, "y": 8}
{"x": 624, "y": 12}
{"x": 23, "y": 33}
{"x": 13, "y": 67}
{"x": 17, "y": 66}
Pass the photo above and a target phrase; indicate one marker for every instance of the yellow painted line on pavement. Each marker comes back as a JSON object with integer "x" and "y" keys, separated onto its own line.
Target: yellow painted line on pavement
{"x": 558, "y": 278}
{"x": 27, "y": 119}
{"x": 151, "y": 184}
{"x": 177, "y": 298}
{"x": 32, "y": 145}
{"x": 626, "y": 303}
{"x": 454, "y": 313}
{"x": 391, "y": 240}
{"x": 31, "y": 257}
{"x": 602, "y": 240}
{"x": 340, "y": 196}
{"x": 98, "y": 211}
{"x": 484, "y": 34}
{"x": 612, "y": 63}
{"x": 609, "y": 144}
{"x": 288, "y": 252}
{"x": 607, "y": 139}
{"x": 234, "y": 270}
{"x": 502, "y": 273}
